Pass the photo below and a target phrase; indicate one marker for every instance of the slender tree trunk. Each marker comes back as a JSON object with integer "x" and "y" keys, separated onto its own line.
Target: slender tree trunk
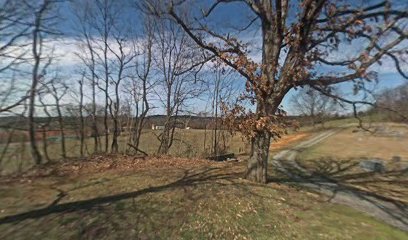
{"x": 105, "y": 116}
{"x": 205, "y": 137}
{"x": 106, "y": 69}
{"x": 135, "y": 125}
{"x": 115, "y": 146}
{"x": 140, "y": 121}
{"x": 44, "y": 129}
{"x": 45, "y": 143}
{"x": 95, "y": 131}
{"x": 164, "y": 141}
{"x": 31, "y": 124}
{"x": 62, "y": 131}
{"x": 33, "y": 92}
{"x": 171, "y": 134}
{"x": 217, "y": 88}
{"x": 115, "y": 116}
{"x": 81, "y": 118}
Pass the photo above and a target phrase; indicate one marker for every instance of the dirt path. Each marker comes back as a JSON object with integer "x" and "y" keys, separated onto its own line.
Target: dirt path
{"x": 392, "y": 212}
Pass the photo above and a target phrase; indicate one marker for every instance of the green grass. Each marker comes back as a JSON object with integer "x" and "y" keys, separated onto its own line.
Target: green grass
{"x": 202, "y": 202}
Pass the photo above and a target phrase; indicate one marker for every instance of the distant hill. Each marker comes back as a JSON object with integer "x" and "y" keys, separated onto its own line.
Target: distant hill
{"x": 183, "y": 121}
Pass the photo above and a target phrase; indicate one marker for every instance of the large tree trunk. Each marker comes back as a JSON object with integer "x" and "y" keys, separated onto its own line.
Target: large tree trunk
{"x": 267, "y": 103}
{"x": 258, "y": 161}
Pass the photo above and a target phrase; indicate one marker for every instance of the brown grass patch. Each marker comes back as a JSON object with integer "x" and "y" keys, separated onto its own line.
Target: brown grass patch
{"x": 111, "y": 164}
{"x": 349, "y": 144}
{"x": 287, "y": 140}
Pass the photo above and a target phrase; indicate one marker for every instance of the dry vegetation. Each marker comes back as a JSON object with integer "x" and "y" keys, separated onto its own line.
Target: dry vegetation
{"x": 339, "y": 158}
{"x": 125, "y": 196}
{"x": 162, "y": 198}
{"x": 83, "y": 165}
{"x": 387, "y": 140}
{"x": 188, "y": 143}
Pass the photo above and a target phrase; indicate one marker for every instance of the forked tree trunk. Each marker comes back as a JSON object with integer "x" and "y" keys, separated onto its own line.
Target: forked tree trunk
{"x": 258, "y": 161}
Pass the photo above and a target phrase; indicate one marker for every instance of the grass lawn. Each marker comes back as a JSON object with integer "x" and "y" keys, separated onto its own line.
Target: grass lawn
{"x": 339, "y": 157}
{"x": 170, "y": 198}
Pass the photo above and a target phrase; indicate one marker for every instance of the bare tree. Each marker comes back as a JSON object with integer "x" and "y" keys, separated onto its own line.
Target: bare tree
{"x": 124, "y": 56}
{"x": 394, "y": 99}
{"x": 313, "y": 104}
{"x": 58, "y": 90}
{"x": 177, "y": 62}
{"x": 297, "y": 37}
{"x": 107, "y": 59}
{"x": 45, "y": 126}
{"x": 81, "y": 115}
{"x": 42, "y": 21}
{"x": 222, "y": 91}
{"x": 141, "y": 85}
{"x": 88, "y": 57}
{"x": 13, "y": 31}
{"x": 102, "y": 17}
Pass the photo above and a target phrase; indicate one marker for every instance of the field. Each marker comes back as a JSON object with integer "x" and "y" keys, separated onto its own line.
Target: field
{"x": 340, "y": 156}
{"x": 16, "y": 156}
{"x": 187, "y": 143}
{"x": 122, "y": 197}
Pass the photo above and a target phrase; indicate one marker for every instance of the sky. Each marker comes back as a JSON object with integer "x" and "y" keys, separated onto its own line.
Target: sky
{"x": 223, "y": 20}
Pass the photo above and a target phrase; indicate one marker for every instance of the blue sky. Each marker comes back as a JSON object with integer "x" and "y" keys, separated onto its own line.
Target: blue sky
{"x": 228, "y": 15}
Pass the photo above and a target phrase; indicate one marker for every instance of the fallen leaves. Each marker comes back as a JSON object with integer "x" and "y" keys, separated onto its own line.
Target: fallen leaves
{"x": 115, "y": 163}
{"x": 124, "y": 162}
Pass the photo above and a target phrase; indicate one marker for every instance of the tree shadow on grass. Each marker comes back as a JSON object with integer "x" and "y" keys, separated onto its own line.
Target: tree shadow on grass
{"x": 383, "y": 195}
{"x": 151, "y": 212}
{"x": 188, "y": 179}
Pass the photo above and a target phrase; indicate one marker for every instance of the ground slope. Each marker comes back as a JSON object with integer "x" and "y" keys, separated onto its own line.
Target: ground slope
{"x": 170, "y": 198}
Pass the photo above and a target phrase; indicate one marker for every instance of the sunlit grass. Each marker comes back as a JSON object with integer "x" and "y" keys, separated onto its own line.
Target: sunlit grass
{"x": 213, "y": 203}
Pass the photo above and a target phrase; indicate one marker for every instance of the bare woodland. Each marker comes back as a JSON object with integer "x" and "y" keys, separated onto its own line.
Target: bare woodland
{"x": 176, "y": 56}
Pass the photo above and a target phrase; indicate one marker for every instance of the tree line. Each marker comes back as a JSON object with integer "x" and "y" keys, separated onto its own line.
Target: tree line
{"x": 125, "y": 69}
